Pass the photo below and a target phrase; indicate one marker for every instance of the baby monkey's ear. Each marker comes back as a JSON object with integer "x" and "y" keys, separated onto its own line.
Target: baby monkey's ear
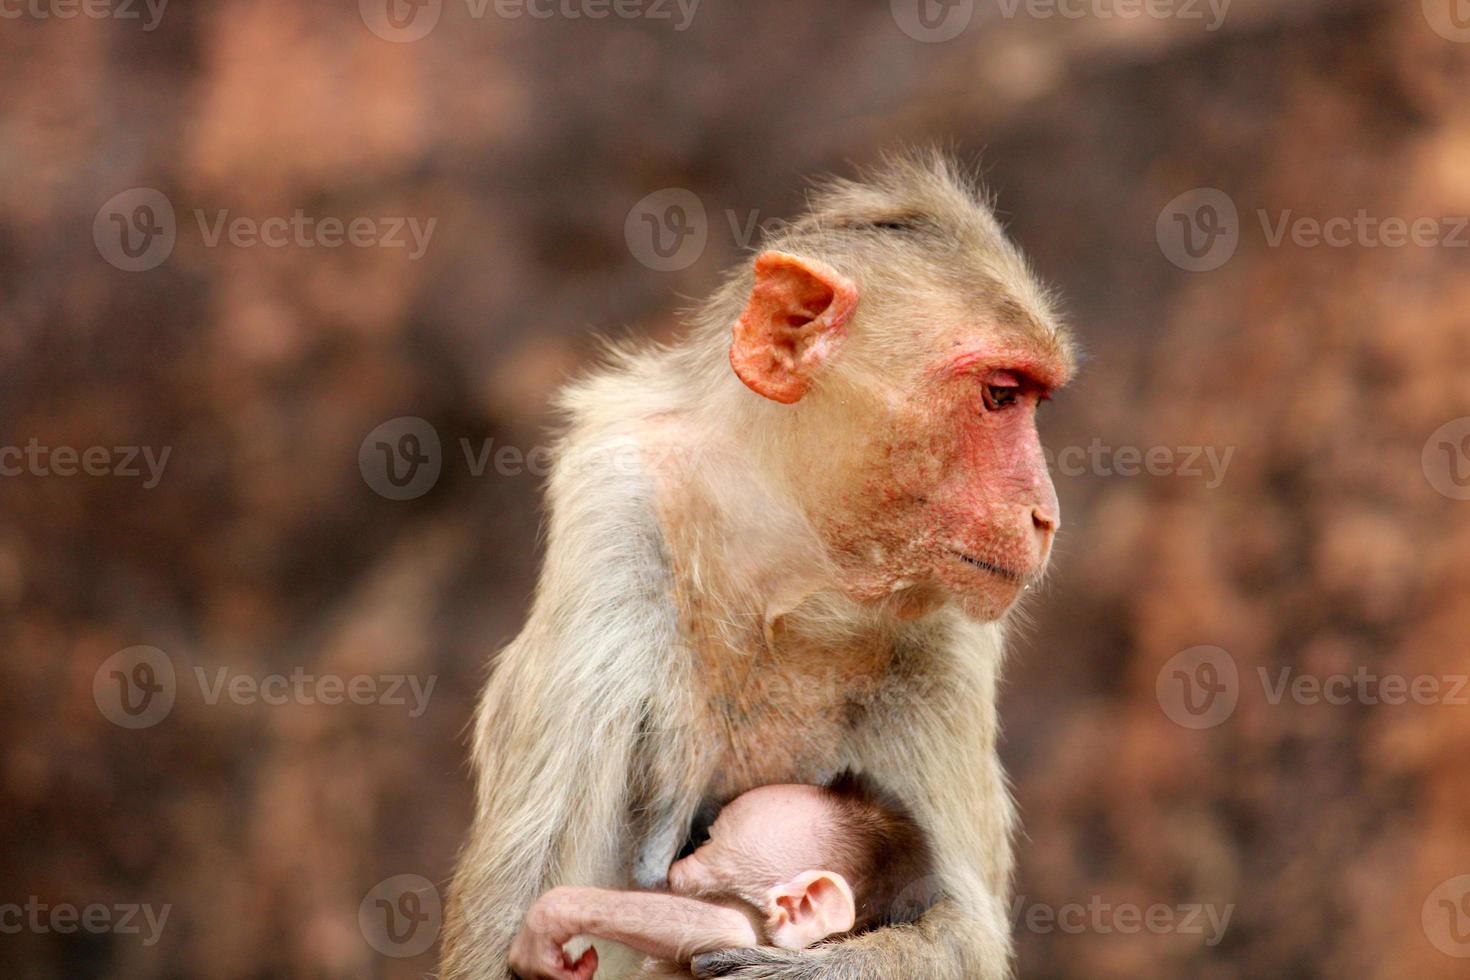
{"x": 808, "y": 909}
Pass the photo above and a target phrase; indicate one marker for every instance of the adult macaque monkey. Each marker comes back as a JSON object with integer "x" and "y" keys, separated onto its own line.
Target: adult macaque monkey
{"x": 770, "y": 574}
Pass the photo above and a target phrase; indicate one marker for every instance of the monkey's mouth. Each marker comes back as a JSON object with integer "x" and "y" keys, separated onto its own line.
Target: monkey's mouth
{"x": 996, "y": 570}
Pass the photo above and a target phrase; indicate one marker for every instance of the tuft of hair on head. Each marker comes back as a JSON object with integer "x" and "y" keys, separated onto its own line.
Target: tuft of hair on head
{"x": 920, "y": 200}
{"x": 918, "y": 222}
{"x": 917, "y": 233}
{"x": 881, "y": 850}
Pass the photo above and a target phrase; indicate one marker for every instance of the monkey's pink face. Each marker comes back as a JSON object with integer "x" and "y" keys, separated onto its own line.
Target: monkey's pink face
{"x": 954, "y": 499}
{"x": 941, "y": 491}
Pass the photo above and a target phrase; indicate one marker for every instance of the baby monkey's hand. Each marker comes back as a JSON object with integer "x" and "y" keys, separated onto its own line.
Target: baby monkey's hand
{"x": 536, "y": 953}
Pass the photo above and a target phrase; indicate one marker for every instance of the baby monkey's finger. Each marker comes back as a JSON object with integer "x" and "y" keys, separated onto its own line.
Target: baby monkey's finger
{"x": 585, "y": 966}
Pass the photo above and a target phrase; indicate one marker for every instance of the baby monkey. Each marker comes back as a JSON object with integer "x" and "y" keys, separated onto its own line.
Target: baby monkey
{"x": 785, "y": 866}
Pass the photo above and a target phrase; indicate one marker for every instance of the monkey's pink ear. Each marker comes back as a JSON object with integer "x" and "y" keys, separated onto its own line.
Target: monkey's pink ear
{"x": 795, "y": 318}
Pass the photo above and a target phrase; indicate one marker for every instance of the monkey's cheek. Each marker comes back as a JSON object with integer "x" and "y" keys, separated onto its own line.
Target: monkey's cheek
{"x": 688, "y": 877}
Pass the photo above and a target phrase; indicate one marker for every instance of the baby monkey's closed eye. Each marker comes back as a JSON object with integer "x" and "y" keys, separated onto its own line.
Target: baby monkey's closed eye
{"x": 704, "y": 818}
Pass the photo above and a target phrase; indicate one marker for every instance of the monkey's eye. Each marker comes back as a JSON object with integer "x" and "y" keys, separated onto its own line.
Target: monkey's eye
{"x": 998, "y": 397}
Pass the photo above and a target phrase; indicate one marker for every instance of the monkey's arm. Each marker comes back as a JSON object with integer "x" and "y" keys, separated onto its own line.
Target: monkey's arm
{"x": 558, "y": 728}
{"x": 930, "y": 738}
{"x": 667, "y": 927}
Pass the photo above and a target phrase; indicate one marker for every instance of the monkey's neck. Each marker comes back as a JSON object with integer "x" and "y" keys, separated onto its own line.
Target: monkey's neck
{"x": 762, "y": 589}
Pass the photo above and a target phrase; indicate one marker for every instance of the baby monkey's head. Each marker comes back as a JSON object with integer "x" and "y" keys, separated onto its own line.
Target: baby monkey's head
{"x": 813, "y": 861}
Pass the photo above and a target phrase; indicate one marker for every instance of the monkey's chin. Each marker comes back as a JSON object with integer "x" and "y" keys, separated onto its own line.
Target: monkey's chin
{"x": 988, "y": 608}
{"x": 915, "y": 601}
{"x": 982, "y": 590}
{"x": 979, "y": 594}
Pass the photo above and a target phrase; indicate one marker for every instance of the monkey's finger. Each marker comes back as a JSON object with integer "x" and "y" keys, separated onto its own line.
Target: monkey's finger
{"x": 586, "y": 966}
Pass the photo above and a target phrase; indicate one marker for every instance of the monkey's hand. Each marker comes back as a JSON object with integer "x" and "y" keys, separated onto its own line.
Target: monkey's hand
{"x": 760, "y": 963}
{"x": 537, "y": 954}
{"x": 544, "y": 963}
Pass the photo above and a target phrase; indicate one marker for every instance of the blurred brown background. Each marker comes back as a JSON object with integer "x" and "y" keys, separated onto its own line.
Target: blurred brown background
{"x": 1334, "y": 539}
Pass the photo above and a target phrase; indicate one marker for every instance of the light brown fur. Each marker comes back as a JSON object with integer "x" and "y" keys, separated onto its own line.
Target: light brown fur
{"x": 696, "y": 632}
